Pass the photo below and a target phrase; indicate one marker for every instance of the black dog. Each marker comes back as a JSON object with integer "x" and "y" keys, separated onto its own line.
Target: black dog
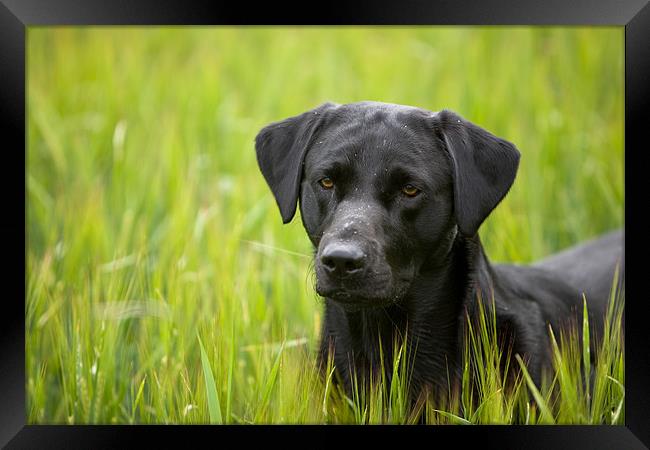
{"x": 392, "y": 198}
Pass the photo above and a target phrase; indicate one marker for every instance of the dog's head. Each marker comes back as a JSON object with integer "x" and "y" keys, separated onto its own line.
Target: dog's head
{"x": 383, "y": 190}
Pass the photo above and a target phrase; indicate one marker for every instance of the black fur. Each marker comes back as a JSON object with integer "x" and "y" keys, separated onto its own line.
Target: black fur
{"x": 390, "y": 265}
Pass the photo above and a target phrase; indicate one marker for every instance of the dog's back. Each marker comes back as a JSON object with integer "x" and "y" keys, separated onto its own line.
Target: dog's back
{"x": 589, "y": 267}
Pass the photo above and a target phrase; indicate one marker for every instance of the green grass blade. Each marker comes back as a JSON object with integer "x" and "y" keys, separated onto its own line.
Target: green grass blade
{"x": 138, "y": 398}
{"x": 231, "y": 365}
{"x": 546, "y": 415}
{"x": 617, "y": 412}
{"x": 214, "y": 406}
{"x": 453, "y": 417}
{"x": 586, "y": 357}
{"x": 270, "y": 383}
{"x": 326, "y": 394}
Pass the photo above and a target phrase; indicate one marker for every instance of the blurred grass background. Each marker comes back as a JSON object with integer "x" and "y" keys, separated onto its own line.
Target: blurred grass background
{"x": 148, "y": 221}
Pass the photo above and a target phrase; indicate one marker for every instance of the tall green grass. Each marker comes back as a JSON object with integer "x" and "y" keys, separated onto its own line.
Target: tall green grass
{"x": 149, "y": 226}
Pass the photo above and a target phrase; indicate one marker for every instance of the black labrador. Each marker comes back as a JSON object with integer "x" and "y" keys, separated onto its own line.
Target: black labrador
{"x": 392, "y": 197}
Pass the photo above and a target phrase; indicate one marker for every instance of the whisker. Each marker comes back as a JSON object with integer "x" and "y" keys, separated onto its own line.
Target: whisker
{"x": 278, "y": 249}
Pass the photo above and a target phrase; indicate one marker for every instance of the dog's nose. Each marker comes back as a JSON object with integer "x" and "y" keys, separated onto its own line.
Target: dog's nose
{"x": 342, "y": 259}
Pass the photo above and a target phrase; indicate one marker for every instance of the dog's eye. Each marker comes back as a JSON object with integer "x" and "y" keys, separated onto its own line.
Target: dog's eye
{"x": 327, "y": 183}
{"x": 410, "y": 191}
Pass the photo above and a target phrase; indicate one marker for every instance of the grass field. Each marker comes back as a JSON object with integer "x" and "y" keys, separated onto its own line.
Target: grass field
{"x": 149, "y": 225}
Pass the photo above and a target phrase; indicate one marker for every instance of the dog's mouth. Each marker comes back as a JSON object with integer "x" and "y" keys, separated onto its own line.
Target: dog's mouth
{"x": 365, "y": 293}
{"x": 340, "y": 295}
{"x": 354, "y": 300}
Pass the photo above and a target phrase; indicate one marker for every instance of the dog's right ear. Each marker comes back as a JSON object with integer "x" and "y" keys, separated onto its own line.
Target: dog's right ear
{"x": 281, "y": 148}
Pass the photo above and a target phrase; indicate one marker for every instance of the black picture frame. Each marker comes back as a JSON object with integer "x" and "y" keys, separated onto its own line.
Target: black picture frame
{"x": 16, "y": 15}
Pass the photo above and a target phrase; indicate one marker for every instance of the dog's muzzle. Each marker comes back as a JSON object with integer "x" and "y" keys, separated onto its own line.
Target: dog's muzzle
{"x": 351, "y": 271}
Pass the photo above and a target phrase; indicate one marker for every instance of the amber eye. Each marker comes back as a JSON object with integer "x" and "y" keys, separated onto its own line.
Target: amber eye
{"x": 410, "y": 190}
{"x": 327, "y": 183}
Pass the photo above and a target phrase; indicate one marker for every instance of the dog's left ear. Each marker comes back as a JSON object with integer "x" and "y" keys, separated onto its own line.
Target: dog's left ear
{"x": 281, "y": 148}
{"x": 484, "y": 168}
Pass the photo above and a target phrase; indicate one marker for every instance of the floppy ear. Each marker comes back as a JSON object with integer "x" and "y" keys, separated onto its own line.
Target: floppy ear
{"x": 484, "y": 168}
{"x": 281, "y": 148}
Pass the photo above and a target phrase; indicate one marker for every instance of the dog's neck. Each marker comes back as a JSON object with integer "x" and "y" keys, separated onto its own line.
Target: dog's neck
{"x": 429, "y": 316}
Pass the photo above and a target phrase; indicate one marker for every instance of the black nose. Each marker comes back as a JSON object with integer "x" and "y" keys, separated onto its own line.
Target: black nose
{"x": 342, "y": 259}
